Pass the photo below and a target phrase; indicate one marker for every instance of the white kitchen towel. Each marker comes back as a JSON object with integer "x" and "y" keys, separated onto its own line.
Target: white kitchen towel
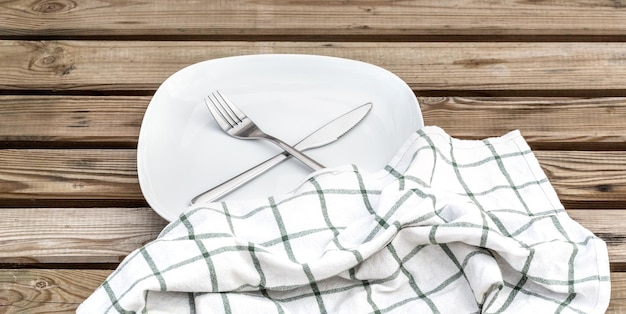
{"x": 449, "y": 226}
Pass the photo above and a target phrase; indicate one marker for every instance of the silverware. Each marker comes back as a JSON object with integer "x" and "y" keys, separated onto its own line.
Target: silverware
{"x": 234, "y": 122}
{"x": 326, "y": 134}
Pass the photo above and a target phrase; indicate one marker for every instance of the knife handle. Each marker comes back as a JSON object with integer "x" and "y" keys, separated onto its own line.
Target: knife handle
{"x": 223, "y": 189}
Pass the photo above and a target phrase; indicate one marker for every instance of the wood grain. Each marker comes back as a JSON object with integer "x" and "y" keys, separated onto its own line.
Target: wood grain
{"x": 54, "y": 121}
{"x": 548, "y": 122}
{"x": 426, "y": 66}
{"x": 68, "y": 174}
{"x": 46, "y": 291}
{"x": 583, "y": 179}
{"x": 61, "y": 291}
{"x": 254, "y": 18}
{"x": 75, "y": 235}
{"x": 74, "y": 121}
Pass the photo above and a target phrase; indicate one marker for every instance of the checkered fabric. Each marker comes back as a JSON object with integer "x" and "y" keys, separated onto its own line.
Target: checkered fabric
{"x": 449, "y": 226}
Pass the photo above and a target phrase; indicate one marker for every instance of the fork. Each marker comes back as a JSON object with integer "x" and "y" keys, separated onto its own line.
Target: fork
{"x": 235, "y": 123}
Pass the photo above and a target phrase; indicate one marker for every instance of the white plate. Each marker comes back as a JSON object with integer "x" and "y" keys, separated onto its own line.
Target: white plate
{"x": 181, "y": 152}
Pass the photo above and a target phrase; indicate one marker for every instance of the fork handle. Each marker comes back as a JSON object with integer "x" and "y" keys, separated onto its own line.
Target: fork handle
{"x": 225, "y": 188}
{"x": 297, "y": 154}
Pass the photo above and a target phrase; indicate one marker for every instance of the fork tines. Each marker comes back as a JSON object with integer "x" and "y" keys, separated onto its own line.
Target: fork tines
{"x": 222, "y": 106}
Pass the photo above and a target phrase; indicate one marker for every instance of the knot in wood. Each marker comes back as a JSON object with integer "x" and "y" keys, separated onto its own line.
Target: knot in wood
{"x": 604, "y": 188}
{"x": 48, "y": 60}
{"x": 51, "y": 57}
{"x": 432, "y": 100}
{"x": 53, "y": 6}
{"x": 41, "y": 284}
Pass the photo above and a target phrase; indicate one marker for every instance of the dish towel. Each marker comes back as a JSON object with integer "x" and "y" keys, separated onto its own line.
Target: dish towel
{"x": 449, "y": 226}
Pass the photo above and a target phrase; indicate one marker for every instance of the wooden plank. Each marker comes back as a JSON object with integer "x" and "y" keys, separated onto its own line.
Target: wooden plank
{"x": 114, "y": 121}
{"x": 312, "y": 18}
{"x": 71, "y": 120}
{"x": 68, "y": 174}
{"x": 546, "y": 123}
{"x": 42, "y": 290}
{"x": 75, "y": 235}
{"x": 580, "y": 67}
{"x": 47, "y": 290}
{"x": 583, "y": 179}
{"x": 107, "y": 235}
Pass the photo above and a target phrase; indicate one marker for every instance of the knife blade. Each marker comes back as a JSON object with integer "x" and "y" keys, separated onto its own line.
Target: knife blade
{"x": 325, "y": 135}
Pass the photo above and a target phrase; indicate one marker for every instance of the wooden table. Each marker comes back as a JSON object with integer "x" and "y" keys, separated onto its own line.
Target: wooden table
{"x": 76, "y": 77}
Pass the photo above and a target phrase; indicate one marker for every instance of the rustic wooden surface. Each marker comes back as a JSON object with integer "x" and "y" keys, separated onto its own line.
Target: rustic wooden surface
{"x": 77, "y": 77}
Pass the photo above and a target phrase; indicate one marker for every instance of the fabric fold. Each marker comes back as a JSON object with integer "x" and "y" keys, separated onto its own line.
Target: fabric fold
{"x": 449, "y": 226}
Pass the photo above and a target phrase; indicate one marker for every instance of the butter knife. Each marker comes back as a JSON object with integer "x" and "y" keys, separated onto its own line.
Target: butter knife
{"x": 326, "y": 134}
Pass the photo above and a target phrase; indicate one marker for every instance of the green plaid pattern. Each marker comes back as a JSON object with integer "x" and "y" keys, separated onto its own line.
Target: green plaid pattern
{"x": 449, "y": 226}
